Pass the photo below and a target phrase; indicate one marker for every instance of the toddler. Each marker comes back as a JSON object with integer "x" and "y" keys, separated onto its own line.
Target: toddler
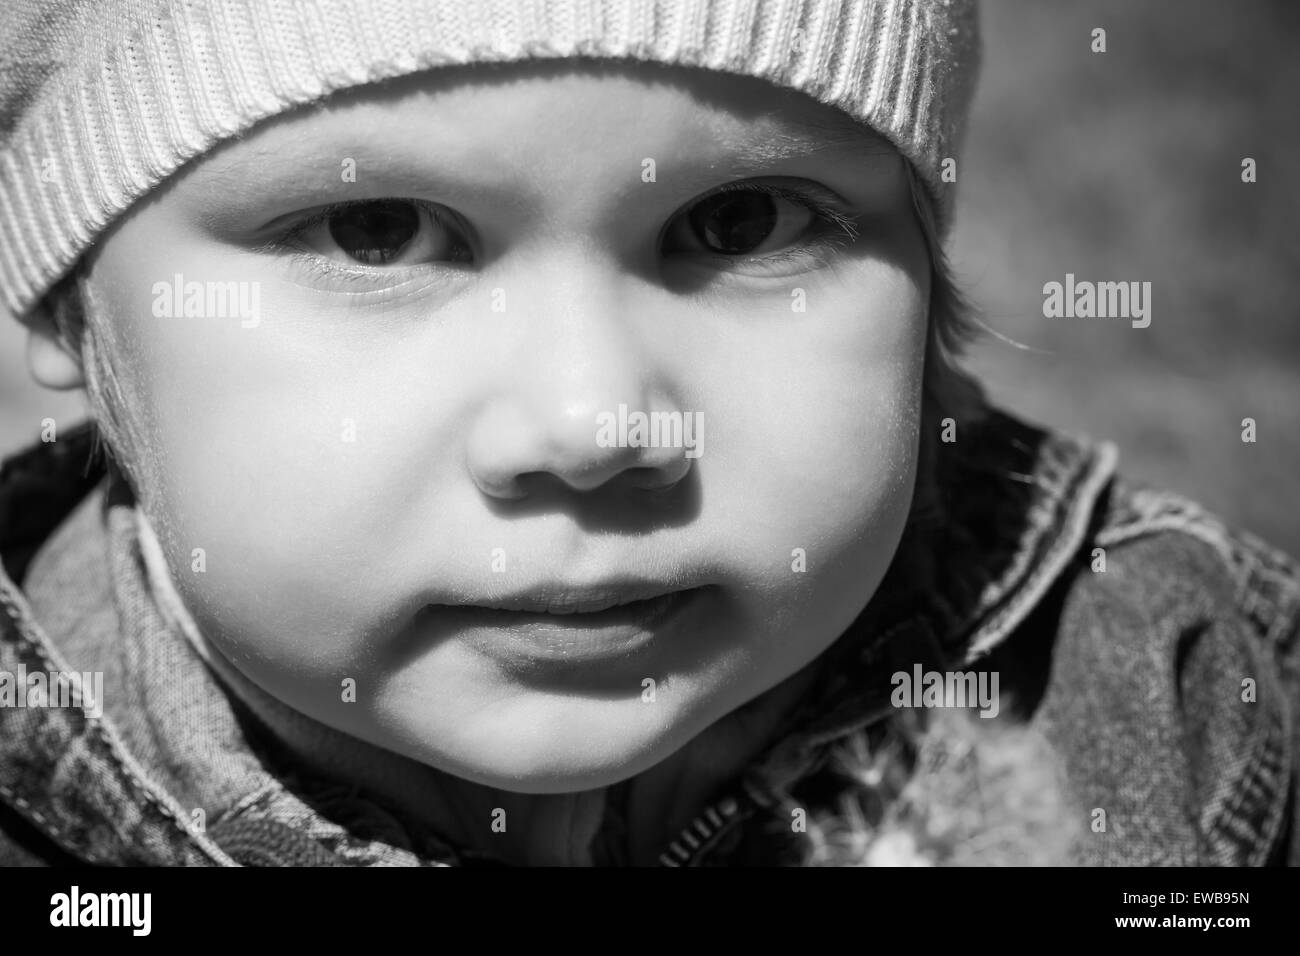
{"x": 531, "y": 433}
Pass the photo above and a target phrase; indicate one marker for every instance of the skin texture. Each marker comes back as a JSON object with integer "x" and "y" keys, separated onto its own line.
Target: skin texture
{"x": 473, "y": 429}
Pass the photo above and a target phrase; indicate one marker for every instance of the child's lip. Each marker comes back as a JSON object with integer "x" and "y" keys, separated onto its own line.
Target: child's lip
{"x": 567, "y": 627}
{"x": 566, "y": 599}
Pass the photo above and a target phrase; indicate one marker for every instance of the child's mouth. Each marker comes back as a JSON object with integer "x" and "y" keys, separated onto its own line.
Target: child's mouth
{"x": 567, "y": 627}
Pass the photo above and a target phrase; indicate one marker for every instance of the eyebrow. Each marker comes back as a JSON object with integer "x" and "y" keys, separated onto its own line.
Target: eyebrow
{"x": 795, "y": 135}
{"x": 840, "y": 128}
{"x": 785, "y": 136}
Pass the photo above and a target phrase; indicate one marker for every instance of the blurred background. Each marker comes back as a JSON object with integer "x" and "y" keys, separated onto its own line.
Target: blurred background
{"x": 1126, "y": 165}
{"x": 1115, "y": 166}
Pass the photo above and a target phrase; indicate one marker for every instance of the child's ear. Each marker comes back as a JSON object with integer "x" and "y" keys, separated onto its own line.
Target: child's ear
{"x": 49, "y": 359}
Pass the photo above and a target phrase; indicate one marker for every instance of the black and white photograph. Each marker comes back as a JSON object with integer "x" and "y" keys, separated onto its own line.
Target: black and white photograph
{"x": 572, "y": 434}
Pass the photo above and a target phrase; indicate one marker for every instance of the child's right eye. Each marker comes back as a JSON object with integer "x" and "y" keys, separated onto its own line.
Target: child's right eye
{"x": 381, "y": 232}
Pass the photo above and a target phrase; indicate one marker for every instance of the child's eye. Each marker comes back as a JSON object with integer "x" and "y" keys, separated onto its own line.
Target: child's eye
{"x": 758, "y": 223}
{"x": 381, "y": 232}
{"x": 744, "y": 222}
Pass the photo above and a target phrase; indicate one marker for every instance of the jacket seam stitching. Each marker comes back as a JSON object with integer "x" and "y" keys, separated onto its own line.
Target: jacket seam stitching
{"x": 1285, "y": 771}
{"x": 1245, "y": 597}
{"x": 1053, "y": 564}
{"x": 54, "y": 830}
{"x": 1203, "y": 528}
{"x": 101, "y": 730}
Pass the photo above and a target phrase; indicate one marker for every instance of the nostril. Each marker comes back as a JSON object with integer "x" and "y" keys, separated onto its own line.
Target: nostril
{"x": 503, "y": 487}
{"x": 516, "y": 449}
{"x": 662, "y": 477}
{"x": 595, "y": 472}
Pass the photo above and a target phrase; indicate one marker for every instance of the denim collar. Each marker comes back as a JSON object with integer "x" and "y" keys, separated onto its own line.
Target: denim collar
{"x": 1014, "y": 506}
{"x": 63, "y": 769}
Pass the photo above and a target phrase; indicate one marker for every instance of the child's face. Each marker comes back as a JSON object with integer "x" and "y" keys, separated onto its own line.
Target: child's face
{"x": 397, "y": 426}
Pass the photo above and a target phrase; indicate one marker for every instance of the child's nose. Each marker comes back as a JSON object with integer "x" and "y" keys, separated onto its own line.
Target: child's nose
{"x": 569, "y": 407}
{"x": 515, "y": 450}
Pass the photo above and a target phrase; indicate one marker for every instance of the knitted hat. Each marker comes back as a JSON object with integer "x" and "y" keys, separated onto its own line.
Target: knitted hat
{"x": 101, "y": 100}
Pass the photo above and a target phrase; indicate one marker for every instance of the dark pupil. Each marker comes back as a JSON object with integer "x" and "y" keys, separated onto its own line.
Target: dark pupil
{"x": 375, "y": 231}
{"x": 734, "y": 222}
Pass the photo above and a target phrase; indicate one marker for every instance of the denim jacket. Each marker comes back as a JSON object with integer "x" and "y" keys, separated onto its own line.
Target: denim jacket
{"x": 1153, "y": 649}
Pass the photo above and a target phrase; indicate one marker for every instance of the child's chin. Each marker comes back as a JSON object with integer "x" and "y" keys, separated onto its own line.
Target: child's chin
{"x": 589, "y": 755}
{"x": 573, "y": 778}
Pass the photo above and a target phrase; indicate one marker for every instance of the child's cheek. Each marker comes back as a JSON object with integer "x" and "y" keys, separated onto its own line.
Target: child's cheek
{"x": 267, "y": 473}
{"x": 821, "y": 455}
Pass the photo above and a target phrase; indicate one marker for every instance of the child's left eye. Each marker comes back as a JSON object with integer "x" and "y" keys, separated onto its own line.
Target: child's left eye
{"x": 745, "y": 222}
{"x": 757, "y": 223}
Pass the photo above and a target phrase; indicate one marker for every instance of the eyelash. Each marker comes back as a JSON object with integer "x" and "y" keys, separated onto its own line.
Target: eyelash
{"x": 317, "y": 267}
{"x": 836, "y": 230}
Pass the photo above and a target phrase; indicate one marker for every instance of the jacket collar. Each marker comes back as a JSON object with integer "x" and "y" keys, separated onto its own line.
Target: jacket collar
{"x": 1015, "y": 507}
{"x": 1014, "y": 504}
{"x": 62, "y": 768}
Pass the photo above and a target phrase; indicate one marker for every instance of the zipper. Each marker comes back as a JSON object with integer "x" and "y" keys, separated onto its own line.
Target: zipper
{"x": 698, "y": 836}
